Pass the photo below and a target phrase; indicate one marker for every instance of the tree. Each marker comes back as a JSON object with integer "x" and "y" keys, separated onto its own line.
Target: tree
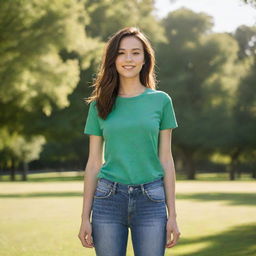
{"x": 197, "y": 69}
{"x": 243, "y": 137}
{"x": 34, "y": 76}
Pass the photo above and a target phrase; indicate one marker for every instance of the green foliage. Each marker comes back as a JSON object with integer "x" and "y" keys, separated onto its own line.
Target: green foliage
{"x": 246, "y": 38}
{"x": 33, "y": 33}
{"x": 201, "y": 70}
{"x": 109, "y": 16}
{"x": 242, "y": 144}
{"x": 34, "y": 77}
{"x": 250, "y": 2}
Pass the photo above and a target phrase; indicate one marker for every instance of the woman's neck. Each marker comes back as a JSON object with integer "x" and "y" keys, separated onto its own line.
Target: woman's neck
{"x": 130, "y": 88}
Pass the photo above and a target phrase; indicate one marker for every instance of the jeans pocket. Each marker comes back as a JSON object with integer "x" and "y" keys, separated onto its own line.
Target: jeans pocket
{"x": 156, "y": 194}
{"x": 103, "y": 190}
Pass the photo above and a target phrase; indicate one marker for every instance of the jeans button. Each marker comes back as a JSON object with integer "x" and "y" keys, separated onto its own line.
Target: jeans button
{"x": 130, "y": 189}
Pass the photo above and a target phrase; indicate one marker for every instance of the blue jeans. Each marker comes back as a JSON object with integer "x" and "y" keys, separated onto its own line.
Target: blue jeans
{"x": 117, "y": 207}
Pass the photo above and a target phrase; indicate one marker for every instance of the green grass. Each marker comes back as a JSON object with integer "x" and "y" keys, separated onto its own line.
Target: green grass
{"x": 39, "y": 218}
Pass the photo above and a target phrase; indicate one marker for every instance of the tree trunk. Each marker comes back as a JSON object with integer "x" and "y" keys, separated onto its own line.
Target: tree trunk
{"x": 234, "y": 164}
{"x": 238, "y": 173}
{"x": 13, "y": 171}
{"x": 190, "y": 165}
{"x": 12, "y": 174}
{"x": 254, "y": 173}
{"x": 232, "y": 175}
{"x": 191, "y": 169}
{"x": 24, "y": 171}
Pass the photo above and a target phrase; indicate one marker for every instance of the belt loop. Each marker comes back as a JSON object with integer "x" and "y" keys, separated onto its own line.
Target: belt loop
{"x": 142, "y": 188}
{"x": 114, "y": 188}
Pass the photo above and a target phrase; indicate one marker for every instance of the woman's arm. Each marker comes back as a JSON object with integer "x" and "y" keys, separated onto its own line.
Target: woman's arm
{"x": 93, "y": 166}
{"x": 166, "y": 159}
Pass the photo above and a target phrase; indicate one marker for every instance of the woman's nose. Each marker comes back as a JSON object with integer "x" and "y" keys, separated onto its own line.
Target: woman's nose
{"x": 128, "y": 56}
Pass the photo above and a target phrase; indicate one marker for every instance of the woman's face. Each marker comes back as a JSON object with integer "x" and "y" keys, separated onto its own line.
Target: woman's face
{"x": 130, "y": 58}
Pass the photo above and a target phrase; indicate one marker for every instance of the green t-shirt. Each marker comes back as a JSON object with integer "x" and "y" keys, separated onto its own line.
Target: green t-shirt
{"x": 130, "y": 134}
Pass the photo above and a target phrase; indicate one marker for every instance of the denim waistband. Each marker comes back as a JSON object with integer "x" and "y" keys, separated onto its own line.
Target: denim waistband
{"x": 142, "y": 186}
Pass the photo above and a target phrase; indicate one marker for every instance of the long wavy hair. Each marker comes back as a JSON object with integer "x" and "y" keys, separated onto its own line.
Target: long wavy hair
{"x": 106, "y": 84}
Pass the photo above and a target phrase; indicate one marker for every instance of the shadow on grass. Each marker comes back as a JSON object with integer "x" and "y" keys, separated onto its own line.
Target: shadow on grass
{"x": 229, "y": 198}
{"x": 238, "y": 241}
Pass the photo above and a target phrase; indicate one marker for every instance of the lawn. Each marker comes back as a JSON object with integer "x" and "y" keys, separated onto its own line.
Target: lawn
{"x": 42, "y": 217}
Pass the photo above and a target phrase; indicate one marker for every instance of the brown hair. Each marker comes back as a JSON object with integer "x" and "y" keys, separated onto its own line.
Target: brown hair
{"x": 106, "y": 85}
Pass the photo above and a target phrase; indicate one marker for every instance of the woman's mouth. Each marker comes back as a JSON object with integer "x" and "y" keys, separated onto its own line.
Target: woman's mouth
{"x": 128, "y": 67}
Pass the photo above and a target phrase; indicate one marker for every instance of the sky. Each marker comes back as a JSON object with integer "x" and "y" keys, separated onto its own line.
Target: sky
{"x": 228, "y": 14}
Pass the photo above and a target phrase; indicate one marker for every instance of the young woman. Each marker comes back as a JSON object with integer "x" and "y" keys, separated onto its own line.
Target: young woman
{"x": 136, "y": 182}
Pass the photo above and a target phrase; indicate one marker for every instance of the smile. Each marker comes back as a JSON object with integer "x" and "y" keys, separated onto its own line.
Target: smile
{"x": 128, "y": 67}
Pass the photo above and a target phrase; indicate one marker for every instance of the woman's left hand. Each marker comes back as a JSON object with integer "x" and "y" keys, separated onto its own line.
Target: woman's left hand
{"x": 172, "y": 229}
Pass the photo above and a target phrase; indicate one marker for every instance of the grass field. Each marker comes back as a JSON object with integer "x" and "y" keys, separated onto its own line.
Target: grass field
{"x": 42, "y": 217}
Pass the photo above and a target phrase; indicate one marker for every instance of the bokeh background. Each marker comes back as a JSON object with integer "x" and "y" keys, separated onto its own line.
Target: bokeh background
{"x": 50, "y": 51}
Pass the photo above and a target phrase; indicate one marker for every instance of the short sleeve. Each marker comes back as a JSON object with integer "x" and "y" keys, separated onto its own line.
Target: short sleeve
{"x": 168, "y": 118}
{"x": 92, "y": 125}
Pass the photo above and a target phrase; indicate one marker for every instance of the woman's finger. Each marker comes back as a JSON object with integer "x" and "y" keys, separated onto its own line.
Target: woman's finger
{"x": 84, "y": 241}
{"x": 174, "y": 241}
{"x": 89, "y": 240}
{"x": 168, "y": 235}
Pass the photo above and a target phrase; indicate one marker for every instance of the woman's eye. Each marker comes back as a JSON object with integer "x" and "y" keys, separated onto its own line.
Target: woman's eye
{"x": 123, "y": 53}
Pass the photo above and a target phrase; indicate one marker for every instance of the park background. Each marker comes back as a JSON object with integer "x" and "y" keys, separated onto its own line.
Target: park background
{"x": 49, "y": 55}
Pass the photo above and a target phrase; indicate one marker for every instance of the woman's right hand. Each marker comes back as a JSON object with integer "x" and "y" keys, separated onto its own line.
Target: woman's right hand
{"x": 85, "y": 234}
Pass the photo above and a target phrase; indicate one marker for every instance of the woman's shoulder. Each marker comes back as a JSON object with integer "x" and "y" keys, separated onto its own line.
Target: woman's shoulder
{"x": 93, "y": 106}
{"x": 161, "y": 95}
{"x": 93, "y": 103}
